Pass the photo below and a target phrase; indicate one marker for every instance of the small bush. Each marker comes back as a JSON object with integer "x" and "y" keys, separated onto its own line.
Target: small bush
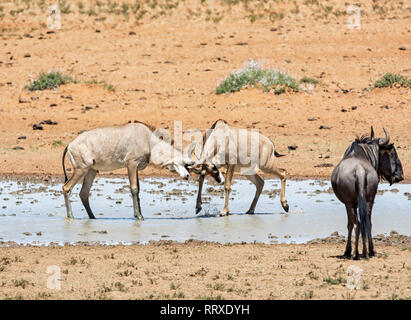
{"x": 50, "y": 80}
{"x": 309, "y": 80}
{"x": 390, "y": 79}
{"x": 255, "y": 76}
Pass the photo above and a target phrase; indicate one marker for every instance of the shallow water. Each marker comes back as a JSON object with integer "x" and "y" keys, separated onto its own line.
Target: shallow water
{"x": 35, "y": 213}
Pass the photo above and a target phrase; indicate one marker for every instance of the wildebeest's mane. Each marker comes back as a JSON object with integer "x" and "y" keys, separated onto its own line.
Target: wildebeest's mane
{"x": 363, "y": 139}
{"x": 364, "y": 147}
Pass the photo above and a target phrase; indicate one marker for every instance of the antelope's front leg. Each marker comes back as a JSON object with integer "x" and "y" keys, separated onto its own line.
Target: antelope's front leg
{"x": 283, "y": 177}
{"x": 227, "y": 188}
{"x": 200, "y": 188}
{"x": 135, "y": 189}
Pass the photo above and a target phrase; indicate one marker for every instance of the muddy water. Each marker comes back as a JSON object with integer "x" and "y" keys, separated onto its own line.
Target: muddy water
{"x": 35, "y": 213}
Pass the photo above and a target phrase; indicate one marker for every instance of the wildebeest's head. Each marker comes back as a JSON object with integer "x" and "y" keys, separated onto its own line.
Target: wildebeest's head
{"x": 389, "y": 166}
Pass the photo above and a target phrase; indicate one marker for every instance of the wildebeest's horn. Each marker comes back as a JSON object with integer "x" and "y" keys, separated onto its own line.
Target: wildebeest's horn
{"x": 372, "y": 132}
{"x": 386, "y": 140}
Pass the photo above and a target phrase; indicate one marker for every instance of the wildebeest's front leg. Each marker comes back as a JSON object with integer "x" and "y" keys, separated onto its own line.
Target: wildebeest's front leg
{"x": 200, "y": 188}
{"x": 227, "y": 188}
{"x": 135, "y": 188}
{"x": 85, "y": 191}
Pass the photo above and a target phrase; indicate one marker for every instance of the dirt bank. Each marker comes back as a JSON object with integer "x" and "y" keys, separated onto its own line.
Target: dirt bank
{"x": 201, "y": 270}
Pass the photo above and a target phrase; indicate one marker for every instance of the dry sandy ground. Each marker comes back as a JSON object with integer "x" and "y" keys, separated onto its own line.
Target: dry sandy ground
{"x": 197, "y": 270}
{"x": 165, "y": 66}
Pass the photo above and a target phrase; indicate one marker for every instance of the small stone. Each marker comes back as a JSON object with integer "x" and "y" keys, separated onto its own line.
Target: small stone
{"x": 37, "y": 127}
{"x": 293, "y": 147}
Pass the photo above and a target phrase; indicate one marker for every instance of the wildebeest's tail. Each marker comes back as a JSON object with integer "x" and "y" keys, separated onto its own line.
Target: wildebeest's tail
{"x": 64, "y": 166}
{"x": 362, "y": 212}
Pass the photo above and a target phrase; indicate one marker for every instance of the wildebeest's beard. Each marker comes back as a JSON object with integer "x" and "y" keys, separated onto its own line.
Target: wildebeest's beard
{"x": 390, "y": 167}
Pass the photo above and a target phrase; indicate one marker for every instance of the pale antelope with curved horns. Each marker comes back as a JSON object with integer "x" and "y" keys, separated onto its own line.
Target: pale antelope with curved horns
{"x": 133, "y": 146}
{"x": 225, "y": 146}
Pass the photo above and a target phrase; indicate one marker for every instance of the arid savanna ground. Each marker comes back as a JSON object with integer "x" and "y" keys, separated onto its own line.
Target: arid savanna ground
{"x": 160, "y": 61}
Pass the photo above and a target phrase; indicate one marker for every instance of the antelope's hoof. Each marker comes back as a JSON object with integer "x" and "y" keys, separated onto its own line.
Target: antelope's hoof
{"x": 347, "y": 254}
{"x": 357, "y": 257}
{"x": 198, "y": 209}
{"x": 250, "y": 212}
{"x": 372, "y": 253}
{"x": 285, "y": 207}
{"x": 224, "y": 213}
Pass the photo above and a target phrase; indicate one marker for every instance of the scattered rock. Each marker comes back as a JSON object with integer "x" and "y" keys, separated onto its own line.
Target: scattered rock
{"x": 49, "y": 122}
{"x": 37, "y": 127}
{"x": 22, "y": 138}
{"x": 18, "y": 148}
{"x": 293, "y": 147}
{"x": 132, "y": 33}
{"x": 312, "y": 119}
{"x": 402, "y": 48}
{"x": 324, "y": 165}
{"x": 27, "y": 55}
{"x": 325, "y": 128}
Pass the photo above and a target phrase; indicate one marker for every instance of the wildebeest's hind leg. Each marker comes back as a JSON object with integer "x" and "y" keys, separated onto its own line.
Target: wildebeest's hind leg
{"x": 85, "y": 191}
{"x": 351, "y": 216}
{"x": 357, "y": 236}
{"x": 370, "y": 244}
{"x": 259, "y": 184}
{"x": 200, "y": 188}
{"x": 135, "y": 188}
{"x": 78, "y": 174}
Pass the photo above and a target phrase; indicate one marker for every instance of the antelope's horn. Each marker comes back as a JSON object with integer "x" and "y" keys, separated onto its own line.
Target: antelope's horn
{"x": 372, "y": 132}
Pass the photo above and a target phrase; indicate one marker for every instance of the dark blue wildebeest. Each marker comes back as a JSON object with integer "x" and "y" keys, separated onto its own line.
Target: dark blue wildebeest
{"x": 355, "y": 181}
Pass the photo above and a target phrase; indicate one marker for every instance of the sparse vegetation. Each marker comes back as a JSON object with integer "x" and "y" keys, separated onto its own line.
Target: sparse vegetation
{"x": 51, "y": 80}
{"x": 253, "y": 75}
{"x": 391, "y": 79}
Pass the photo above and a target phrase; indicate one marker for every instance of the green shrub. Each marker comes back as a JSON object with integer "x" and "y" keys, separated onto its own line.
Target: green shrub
{"x": 390, "y": 79}
{"x": 50, "y": 80}
{"x": 255, "y": 76}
